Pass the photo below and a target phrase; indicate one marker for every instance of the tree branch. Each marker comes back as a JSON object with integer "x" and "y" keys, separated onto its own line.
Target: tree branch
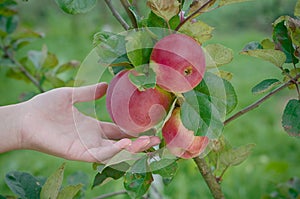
{"x": 126, "y": 6}
{"x": 27, "y": 74}
{"x": 260, "y": 101}
{"x": 209, "y": 178}
{"x": 111, "y": 194}
{"x": 117, "y": 15}
{"x": 192, "y": 15}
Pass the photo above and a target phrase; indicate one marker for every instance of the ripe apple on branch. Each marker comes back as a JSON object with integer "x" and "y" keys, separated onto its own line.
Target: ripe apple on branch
{"x": 179, "y": 64}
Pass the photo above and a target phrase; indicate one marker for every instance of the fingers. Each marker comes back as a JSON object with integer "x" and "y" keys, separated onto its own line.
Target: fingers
{"x": 143, "y": 143}
{"x": 89, "y": 93}
{"x": 103, "y": 153}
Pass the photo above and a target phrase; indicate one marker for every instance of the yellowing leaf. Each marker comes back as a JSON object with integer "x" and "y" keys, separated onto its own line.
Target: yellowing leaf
{"x": 297, "y": 9}
{"x": 276, "y": 57}
{"x": 197, "y": 4}
{"x": 220, "y": 54}
{"x": 224, "y": 74}
{"x": 165, "y": 9}
{"x": 226, "y": 2}
{"x": 198, "y": 30}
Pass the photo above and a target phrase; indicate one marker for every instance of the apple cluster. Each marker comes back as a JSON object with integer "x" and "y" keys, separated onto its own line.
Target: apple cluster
{"x": 179, "y": 63}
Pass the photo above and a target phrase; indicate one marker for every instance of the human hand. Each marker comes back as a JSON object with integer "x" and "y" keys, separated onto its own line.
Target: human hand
{"x": 51, "y": 124}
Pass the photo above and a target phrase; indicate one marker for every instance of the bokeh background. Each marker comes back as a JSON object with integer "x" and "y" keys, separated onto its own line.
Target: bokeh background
{"x": 275, "y": 158}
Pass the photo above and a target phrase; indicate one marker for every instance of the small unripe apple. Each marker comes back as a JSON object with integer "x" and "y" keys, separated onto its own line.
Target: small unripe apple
{"x": 132, "y": 110}
{"x": 179, "y": 63}
{"x": 179, "y": 140}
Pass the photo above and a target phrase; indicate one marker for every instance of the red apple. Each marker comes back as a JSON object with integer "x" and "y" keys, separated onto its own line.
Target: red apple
{"x": 132, "y": 110}
{"x": 179, "y": 63}
{"x": 181, "y": 141}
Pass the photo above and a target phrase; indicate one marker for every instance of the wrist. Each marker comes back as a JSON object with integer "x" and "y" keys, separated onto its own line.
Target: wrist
{"x": 11, "y": 119}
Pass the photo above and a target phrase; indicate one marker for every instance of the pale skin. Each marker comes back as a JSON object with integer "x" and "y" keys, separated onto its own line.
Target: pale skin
{"x": 50, "y": 123}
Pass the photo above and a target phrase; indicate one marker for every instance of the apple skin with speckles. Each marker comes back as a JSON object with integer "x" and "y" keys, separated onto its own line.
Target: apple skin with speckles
{"x": 179, "y": 63}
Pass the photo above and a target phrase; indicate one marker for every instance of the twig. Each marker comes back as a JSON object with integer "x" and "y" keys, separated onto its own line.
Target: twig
{"x": 260, "y": 101}
{"x": 27, "y": 74}
{"x": 126, "y": 6}
{"x": 111, "y": 194}
{"x": 192, "y": 15}
{"x": 209, "y": 178}
{"x": 117, "y": 15}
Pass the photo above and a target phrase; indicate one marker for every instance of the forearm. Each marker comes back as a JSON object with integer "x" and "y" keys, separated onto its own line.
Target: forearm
{"x": 11, "y": 127}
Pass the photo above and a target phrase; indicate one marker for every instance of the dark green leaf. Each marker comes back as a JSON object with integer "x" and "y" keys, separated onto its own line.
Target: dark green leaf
{"x": 254, "y": 45}
{"x": 291, "y": 118}
{"x": 17, "y": 74}
{"x": 236, "y": 156}
{"x": 137, "y": 184}
{"x": 8, "y": 24}
{"x": 166, "y": 168}
{"x": 283, "y": 41}
{"x": 24, "y": 184}
{"x": 265, "y": 86}
{"x": 53, "y": 184}
{"x": 76, "y": 6}
{"x": 113, "y": 171}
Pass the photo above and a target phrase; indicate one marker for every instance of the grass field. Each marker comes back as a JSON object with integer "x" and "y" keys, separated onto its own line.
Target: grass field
{"x": 275, "y": 158}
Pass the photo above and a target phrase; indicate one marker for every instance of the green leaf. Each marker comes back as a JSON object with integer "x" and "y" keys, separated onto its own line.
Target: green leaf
{"x": 113, "y": 171}
{"x": 73, "y": 64}
{"x": 297, "y": 9}
{"x": 138, "y": 47}
{"x": 53, "y": 184}
{"x": 164, "y": 9}
{"x": 54, "y": 80}
{"x": 198, "y": 30}
{"x": 166, "y": 168}
{"x": 137, "y": 184}
{"x": 294, "y": 30}
{"x": 265, "y": 86}
{"x": 110, "y": 48}
{"x": 69, "y": 191}
{"x": 291, "y": 118}
{"x": 24, "y": 184}
{"x": 220, "y": 54}
{"x": 236, "y": 156}
{"x": 204, "y": 108}
{"x": 76, "y": 6}
{"x": 267, "y": 44}
{"x": 144, "y": 77}
{"x": 156, "y": 21}
{"x": 8, "y": 24}
{"x": 227, "y": 2}
{"x": 283, "y": 41}
{"x": 50, "y": 61}
{"x": 275, "y": 57}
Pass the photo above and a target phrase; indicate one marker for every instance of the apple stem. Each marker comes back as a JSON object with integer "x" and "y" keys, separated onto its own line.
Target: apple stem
{"x": 210, "y": 179}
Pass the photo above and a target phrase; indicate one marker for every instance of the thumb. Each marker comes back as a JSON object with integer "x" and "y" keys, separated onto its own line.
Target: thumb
{"x": 89, "y": 93}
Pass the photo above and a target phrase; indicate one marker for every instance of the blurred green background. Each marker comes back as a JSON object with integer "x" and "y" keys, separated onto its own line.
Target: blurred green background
{"x": 275, "y": 158}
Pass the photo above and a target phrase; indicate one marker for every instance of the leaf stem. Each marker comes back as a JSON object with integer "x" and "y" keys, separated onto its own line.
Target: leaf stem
{"x": 111, "y": 194}
{"x": 117, "y": 15}
{"x": 126, "y": 6}
{"x": 192, "y": 15}
{"x": 209, "y": 178}
{"x": 261, "y": 100}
